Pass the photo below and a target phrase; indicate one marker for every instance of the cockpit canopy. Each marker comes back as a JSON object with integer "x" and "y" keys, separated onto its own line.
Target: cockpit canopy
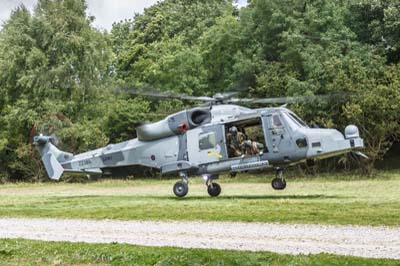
{"x": 290, "y": 119}
{"x": 294, "y": 121}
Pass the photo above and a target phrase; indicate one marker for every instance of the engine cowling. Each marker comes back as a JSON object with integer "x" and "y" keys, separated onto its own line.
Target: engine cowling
{"x": 174, "y": 124}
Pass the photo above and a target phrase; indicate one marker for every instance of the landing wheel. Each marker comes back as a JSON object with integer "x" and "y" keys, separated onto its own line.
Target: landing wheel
{"x": 278, "y": 183}
{"x": 214, "y": 189}
{"x": 181, "y": 188}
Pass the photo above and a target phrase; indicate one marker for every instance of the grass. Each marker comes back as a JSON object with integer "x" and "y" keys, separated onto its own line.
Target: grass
{"x": 326, "y": 199}
{"x": 28, "y": 252}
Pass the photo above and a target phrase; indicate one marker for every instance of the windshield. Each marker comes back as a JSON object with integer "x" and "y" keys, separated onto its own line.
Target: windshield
{"x": 296, "y": 120}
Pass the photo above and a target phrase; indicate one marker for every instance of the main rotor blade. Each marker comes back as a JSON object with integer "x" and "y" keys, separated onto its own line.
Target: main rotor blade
{"x": 170, "y": 95}
{"x": 228, "y": 97}
{"x": 283, "y": 100}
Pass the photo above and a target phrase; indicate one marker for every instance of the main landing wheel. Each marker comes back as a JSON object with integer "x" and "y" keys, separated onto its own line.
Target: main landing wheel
{"x": 181, "y": 188}
{"x": 214, "y": 189}
{"x": 278, "y": 183}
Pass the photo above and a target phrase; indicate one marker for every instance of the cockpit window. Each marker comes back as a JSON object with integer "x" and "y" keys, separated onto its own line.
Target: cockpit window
{"x": 297, "y": 120}
{"x": 276, "y": 121}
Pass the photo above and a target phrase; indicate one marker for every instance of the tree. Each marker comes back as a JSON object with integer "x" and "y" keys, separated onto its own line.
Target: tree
{"x": 377, "y": 23}
{"x": 50, "y": 62}
{"x": 162, "y": 50}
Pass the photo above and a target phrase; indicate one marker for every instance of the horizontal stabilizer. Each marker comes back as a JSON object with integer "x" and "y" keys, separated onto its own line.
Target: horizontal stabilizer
{"x": 53, "y": 167}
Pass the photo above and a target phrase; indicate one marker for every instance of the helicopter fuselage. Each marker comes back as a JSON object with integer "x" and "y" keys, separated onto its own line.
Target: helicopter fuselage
{"x": 196, "y": 142}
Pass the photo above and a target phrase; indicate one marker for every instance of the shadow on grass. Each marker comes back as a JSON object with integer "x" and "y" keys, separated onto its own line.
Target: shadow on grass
{"x": 255, "y": 197}
{"x": 80, "y": 197}
{"x": 99, "y": 198}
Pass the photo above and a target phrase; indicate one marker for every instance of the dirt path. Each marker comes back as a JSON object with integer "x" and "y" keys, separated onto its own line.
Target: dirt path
{"x": 362, "y": 241}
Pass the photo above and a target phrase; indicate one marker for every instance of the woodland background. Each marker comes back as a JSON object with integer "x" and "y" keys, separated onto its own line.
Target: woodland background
{"x": 59, "y": 74}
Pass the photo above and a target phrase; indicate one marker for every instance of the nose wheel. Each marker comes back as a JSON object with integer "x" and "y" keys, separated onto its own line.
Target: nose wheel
{"x": 213, "y": 189}
{"x": 279, "y": 182}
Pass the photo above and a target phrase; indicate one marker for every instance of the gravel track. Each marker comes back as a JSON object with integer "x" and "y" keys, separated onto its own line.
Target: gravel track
{"x": 362, "y": 241}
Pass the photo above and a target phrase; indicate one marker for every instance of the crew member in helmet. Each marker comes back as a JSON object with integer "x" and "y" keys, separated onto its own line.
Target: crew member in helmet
{"x": 236, "y": 142}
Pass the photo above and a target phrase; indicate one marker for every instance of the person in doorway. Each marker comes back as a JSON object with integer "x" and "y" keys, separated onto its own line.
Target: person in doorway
{"x": 236, "y": 142}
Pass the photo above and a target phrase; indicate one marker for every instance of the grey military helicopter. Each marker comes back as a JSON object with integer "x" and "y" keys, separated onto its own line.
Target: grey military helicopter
{"x": 202, "y": 141}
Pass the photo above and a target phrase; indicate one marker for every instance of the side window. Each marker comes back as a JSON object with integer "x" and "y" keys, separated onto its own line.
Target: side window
{"x": 207, "y": 140}
{"x": 276, "y": 121}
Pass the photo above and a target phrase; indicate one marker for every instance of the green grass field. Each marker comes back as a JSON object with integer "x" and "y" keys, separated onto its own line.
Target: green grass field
{"x": 325, "y": 199}
{"x": 26, "y": 252}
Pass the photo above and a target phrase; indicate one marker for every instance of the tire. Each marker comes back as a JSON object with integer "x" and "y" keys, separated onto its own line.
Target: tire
{"x": 278, "y": 183}
{"x": 214, "y": 190}
{"x": 181, "y": 189}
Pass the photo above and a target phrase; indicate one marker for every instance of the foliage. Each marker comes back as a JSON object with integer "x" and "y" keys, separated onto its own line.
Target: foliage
{"x": 120, "y": 124}
{"x": 161, "y": 49}
{"x": 51, "y": 62}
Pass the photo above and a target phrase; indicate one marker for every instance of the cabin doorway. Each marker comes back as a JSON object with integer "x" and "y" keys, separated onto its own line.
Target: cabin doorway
{"x": 245, "y": 138}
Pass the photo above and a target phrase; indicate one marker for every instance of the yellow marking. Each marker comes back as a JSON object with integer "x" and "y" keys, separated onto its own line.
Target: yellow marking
{"x": 216, "y": 154}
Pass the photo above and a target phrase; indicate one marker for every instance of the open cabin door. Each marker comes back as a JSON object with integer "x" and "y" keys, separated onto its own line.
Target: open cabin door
{"x": 276, "y": 133}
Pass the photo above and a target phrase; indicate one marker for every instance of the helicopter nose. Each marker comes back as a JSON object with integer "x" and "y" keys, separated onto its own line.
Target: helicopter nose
{"x": 331, "y": 142}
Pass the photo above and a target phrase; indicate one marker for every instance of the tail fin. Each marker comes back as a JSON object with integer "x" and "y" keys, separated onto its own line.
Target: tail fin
{"x": 51, "y": 156}
{"x": 53, "y": 167}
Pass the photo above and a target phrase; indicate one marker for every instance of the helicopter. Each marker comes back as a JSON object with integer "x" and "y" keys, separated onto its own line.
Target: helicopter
{"x": 209, "y": 140}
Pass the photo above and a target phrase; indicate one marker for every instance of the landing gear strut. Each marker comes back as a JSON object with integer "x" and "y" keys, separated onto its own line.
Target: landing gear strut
{"x": 213, "y": 189}
{"x": 181, "y": 188}
{"x": 279, "y": 182}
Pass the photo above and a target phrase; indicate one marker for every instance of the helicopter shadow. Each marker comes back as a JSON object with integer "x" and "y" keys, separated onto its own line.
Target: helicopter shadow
{"x": 83, "y": 198}
{"x": 258, "y": 197}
